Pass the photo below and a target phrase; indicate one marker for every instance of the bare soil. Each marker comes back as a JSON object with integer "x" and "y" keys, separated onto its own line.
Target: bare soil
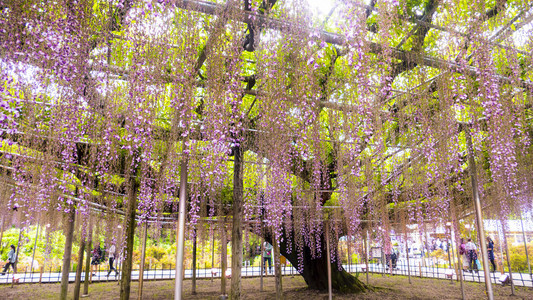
{"x": 395, "y": 287}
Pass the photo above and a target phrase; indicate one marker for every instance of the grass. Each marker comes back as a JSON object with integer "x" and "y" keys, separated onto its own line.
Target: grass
{"x": 388, "y": 287}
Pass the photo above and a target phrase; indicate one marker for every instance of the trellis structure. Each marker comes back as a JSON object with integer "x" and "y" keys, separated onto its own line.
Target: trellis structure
{"x": 107, "y": 104}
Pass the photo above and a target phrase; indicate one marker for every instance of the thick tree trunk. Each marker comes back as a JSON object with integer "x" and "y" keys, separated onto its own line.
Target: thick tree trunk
{"x": 129, "y": 230}
{"x": 236, "y": 236}
{"x": 314, "y": 270}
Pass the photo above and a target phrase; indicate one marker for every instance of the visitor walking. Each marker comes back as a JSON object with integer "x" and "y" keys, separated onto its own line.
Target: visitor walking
{"x": 391, "y": 259}
{"x": 471, "y": 250}
{"x": 11, "y": 260}
{"x": 96, "y": 258}
{"x": 267, "y": 258}
{"x": 111, "y": 252}
{"x": 490, "y": 250}
{"x": 464, "y": 255}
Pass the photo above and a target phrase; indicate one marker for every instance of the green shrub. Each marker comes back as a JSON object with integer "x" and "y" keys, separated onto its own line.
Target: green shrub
{"x": 518, "y": 257}
{"x": 155, "y": 252}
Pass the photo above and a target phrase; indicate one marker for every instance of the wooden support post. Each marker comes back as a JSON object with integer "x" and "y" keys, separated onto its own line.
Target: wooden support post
{"x": 277, "y": 270}
{"x": 33, "y": 254}
{"x": 69, "y": 234}
{"x": 477, "y": 209}
{"x": 460, "y": 273}
{"x": 180, "y": 241}
{"x": 525, "y": 246}
{"x": 16, "y": 258}
{"x": 213, "y": 256}
{"x": 236, "y": 233}
{"x": 449, "y": 250}
{"x": 223, "y": 257}
{"x": 455, "y": 225}
{"x": 262, "y": 264}
{"x": 79, "y": 267}
{"x": 129, "y": 228}
{"x": 41, "y": 274}
{"x": 383, "y": 260}
{"x": 88, "y": 260}
{"x": 390, "y": 261}
{"x": 2, "y": 231}
{"x": 426, "y": 246}
{"x": 194, "y": 264}
{"x": 507, "y": 257}
{"x": 349, "y": 254}
{"x": 328, "y": 258}
{"x": 500, "y": 242}
{"x": 365, "y": 241}
{"x": 143, "y": 258}
{"x": 407, "y": 254}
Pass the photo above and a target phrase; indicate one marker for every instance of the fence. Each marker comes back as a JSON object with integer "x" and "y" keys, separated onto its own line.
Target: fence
{"x": 100, "y": 275}
{"x": 417, "y": 270}
{"x": 168, "y": 272}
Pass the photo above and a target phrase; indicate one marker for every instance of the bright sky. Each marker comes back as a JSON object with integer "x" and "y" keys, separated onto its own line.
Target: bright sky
{"x": 321, "y": 6}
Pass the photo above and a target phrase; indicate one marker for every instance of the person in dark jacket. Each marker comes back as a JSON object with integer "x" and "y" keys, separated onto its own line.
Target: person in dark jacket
{"x": 490, "y": 250}
{"x": 96, "y": 259}
{"x": 11, "y": 259}
{"x": 267, "y": 257}
{"x": 471, "y": 249}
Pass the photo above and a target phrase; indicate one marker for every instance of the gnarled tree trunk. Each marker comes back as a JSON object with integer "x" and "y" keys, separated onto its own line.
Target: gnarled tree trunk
{"x": 314, "y": 270}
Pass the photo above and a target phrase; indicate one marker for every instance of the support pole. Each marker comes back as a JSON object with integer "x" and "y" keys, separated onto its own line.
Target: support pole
{"x": 143, "y": 258}
{"x": 212, "y": 255}
{"x": 2, "y": 231}
{"x": 477, "y": 207}
{"x": 223, "y": 258}
{"x": 448, "y": 249}
{"x": 407, "y": 254}
{"x": 33, "y": 254}
{"x": 88, "y": 261}
{"x": 383, "y": 260}
{"x": 129, "y": 228}
{"x": 426, "y": 246}
{"x": 349, "y": 253}
{"x": 180, "y": 243}
{"x": 69, "y": 234}
{"x": 236, "y": 232}
{"x": 507, "y": 257}
{"x": 500, "y": 242}
{"x": 16, "y": 257}
{"x": 525, "y": 245}
{"x": 262, "y": 264}
{"x": 79, "y": 267}
{"x": 277, "y": 269}
{"x": 365, "y": 241}
{"x": 459, "y": 262}
{"x": 328, "y": 257}
{"x": 194, "y": 264}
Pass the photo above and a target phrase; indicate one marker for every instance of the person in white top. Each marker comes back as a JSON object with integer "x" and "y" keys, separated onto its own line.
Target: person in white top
{"x": 111, "y": 252}
{"x": 471, "y": 250}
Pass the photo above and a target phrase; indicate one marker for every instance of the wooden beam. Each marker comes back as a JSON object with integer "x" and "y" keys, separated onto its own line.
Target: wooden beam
{"x": 336, "y": 39}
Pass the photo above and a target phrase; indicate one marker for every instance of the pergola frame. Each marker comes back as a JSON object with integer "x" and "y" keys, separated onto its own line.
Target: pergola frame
{"x": 411, "y": 58}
